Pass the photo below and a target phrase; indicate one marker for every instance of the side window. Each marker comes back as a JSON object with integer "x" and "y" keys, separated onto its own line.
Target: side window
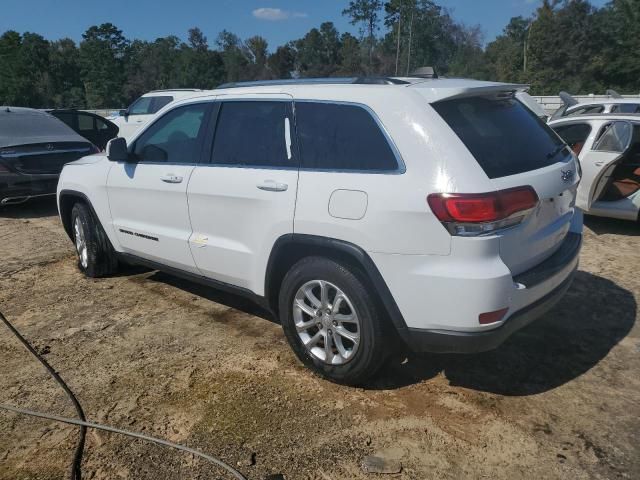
{"x": 140, "y": 107}
{"x": 85, "y": 122}
{"x": 158, "y": 102}
{"x": 252, "y": 133}
{"x": 574, "y": 135}
{"x": 626, "y": 108}
{"x": 174, "y": 137}
{"x": 342, "y": 137}
{"x": 614, "y": 137}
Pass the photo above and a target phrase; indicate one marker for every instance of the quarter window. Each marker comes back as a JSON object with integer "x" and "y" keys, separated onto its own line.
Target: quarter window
{"x": 342, "y": 137}
{"x": 175, "y": 137}
{"x": 252, "y": 134}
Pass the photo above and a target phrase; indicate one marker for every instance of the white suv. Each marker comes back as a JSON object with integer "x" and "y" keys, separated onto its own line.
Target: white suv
{"x": 358, "y": 211}
{"x": 145, "y": 107}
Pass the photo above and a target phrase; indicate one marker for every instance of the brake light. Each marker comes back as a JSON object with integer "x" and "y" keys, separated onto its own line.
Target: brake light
{"x": 482, "y": 213}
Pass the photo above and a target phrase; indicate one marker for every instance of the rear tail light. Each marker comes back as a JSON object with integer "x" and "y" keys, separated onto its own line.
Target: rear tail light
{"x": 3, "y": 169}
{"x": 471, "y": 214}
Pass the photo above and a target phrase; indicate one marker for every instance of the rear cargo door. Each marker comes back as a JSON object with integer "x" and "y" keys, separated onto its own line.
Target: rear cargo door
{"x": 516, "y": 149}
{"x": 599, "y": 162}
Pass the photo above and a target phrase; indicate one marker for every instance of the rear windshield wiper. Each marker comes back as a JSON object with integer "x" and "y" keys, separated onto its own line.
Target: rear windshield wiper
{"x": 556, "y": 151}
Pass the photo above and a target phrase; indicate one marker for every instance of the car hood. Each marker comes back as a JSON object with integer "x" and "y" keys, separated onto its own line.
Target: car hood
{"x": 89, "y": 159}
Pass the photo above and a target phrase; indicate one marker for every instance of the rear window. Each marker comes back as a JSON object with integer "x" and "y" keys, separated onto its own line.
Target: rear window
{"x": 503, "y": 135}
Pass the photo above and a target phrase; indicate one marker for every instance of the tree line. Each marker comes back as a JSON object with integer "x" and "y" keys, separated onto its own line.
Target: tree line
{"x": 566, "y": 45}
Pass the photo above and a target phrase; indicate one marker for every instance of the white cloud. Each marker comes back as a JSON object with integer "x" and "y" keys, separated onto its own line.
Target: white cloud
{"x": 276, "y": 14}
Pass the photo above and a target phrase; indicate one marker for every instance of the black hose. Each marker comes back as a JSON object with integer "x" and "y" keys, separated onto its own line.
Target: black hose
{"x": 76, "y": 466}
{"x": 76, "y": 470}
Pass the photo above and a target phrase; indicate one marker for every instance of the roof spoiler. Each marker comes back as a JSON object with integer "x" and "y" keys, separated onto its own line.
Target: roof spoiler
{"x": 567, "y": 101}
{"x": 613, "y": 93}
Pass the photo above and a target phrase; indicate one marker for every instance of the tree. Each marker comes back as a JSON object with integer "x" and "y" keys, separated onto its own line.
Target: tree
{"x": 282, "y": 62}
{"x": 102, "y": 54}
{"x": 367, "y": 13}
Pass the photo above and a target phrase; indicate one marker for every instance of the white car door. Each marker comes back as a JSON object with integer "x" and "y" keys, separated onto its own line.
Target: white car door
{"x": 244, "y": 199}
{"x": 148, "y": 195}
{"x": 599, "y": 162}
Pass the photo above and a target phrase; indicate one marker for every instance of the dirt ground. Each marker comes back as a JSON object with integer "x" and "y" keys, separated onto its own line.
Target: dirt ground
{"x": 146, "y": 352}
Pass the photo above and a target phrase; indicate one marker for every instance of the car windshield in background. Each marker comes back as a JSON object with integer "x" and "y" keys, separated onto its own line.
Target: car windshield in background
{"x": 502, "y": 134}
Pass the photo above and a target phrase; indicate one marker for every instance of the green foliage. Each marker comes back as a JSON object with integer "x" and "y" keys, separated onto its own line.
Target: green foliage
{"x": 567, "y": 45}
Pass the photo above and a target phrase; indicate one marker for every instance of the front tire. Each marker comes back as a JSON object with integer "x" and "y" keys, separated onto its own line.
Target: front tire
{"x": 96, "y": 257}
{"x": 331, "y": 321}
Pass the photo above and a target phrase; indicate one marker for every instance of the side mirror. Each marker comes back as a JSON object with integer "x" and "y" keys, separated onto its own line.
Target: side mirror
{"x": 117, "y": 150}
{"x": 124, "y": 113}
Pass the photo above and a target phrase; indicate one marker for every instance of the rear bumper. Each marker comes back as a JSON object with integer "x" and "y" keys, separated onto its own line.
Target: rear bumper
{"x": 447, "y": 341}
{"x": 441, "y": 306}
{"x": 18, "y": 186}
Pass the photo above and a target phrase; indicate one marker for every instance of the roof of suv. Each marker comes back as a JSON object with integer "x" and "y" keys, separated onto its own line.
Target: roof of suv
{"x": 177, "y": 92}
{"x": 433, "y": 90}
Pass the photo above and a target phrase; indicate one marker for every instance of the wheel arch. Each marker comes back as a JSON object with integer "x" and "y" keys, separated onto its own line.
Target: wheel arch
{"x": 66, "y": 200}
{"x": 291, "y": 248}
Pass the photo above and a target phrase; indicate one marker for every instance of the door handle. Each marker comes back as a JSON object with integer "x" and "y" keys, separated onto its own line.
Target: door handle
{"x": 171, "y": 178}
{"x": 273, "y": 186}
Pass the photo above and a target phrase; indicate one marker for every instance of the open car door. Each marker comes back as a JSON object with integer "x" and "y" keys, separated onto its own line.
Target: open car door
{"x": 599, "y": 163}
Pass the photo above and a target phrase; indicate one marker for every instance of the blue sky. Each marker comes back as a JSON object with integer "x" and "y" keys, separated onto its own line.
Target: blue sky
{"x": 276, "y": 20}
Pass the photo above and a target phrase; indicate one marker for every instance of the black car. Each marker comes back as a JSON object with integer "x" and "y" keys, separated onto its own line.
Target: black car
{"x": 96, "y": 129}
{"x": 34, "y": 146}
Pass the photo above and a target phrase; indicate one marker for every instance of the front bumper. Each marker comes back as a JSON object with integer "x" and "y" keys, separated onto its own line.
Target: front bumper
{"x": 558, "y": 270}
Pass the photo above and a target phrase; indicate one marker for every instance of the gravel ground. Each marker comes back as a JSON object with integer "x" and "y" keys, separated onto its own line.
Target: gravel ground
{"x": 146, "y": 352}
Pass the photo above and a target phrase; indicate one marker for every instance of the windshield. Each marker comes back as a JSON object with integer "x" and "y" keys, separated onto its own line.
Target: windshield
{"x": 503, "y": 135}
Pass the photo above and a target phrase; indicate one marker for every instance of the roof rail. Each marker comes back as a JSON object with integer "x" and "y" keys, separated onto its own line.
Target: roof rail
{"x": 176, "y": 90}
{"x": 318, "y": 81}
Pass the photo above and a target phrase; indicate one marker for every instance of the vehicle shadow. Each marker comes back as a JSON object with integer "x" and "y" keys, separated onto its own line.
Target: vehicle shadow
{"x": 601, "y": 225}
{"x": 569, "y": 340}
{"x": 36, "y": 208}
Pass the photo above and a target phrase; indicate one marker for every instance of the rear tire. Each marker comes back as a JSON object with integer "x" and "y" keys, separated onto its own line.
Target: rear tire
{"x": 338, "y": 334}
{"x": 96, "y": 256}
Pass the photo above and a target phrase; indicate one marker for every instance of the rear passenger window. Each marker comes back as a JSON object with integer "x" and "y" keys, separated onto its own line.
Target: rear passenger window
{"x": 174, "y": 138}
{"x": 252, "y": 134}
{"x": 342, "y": 137}
{"x": 614, "y": 137}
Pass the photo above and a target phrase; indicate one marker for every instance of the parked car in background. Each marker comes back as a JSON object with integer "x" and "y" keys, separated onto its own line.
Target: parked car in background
{"x": 608, "y": 147}
{"x": 144, "y": 108}
{"x": 359, "y": 211}
{"x": 615, "y": 104}
{"x": 96, "y": 129}
{"x": 34, "y": 146}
